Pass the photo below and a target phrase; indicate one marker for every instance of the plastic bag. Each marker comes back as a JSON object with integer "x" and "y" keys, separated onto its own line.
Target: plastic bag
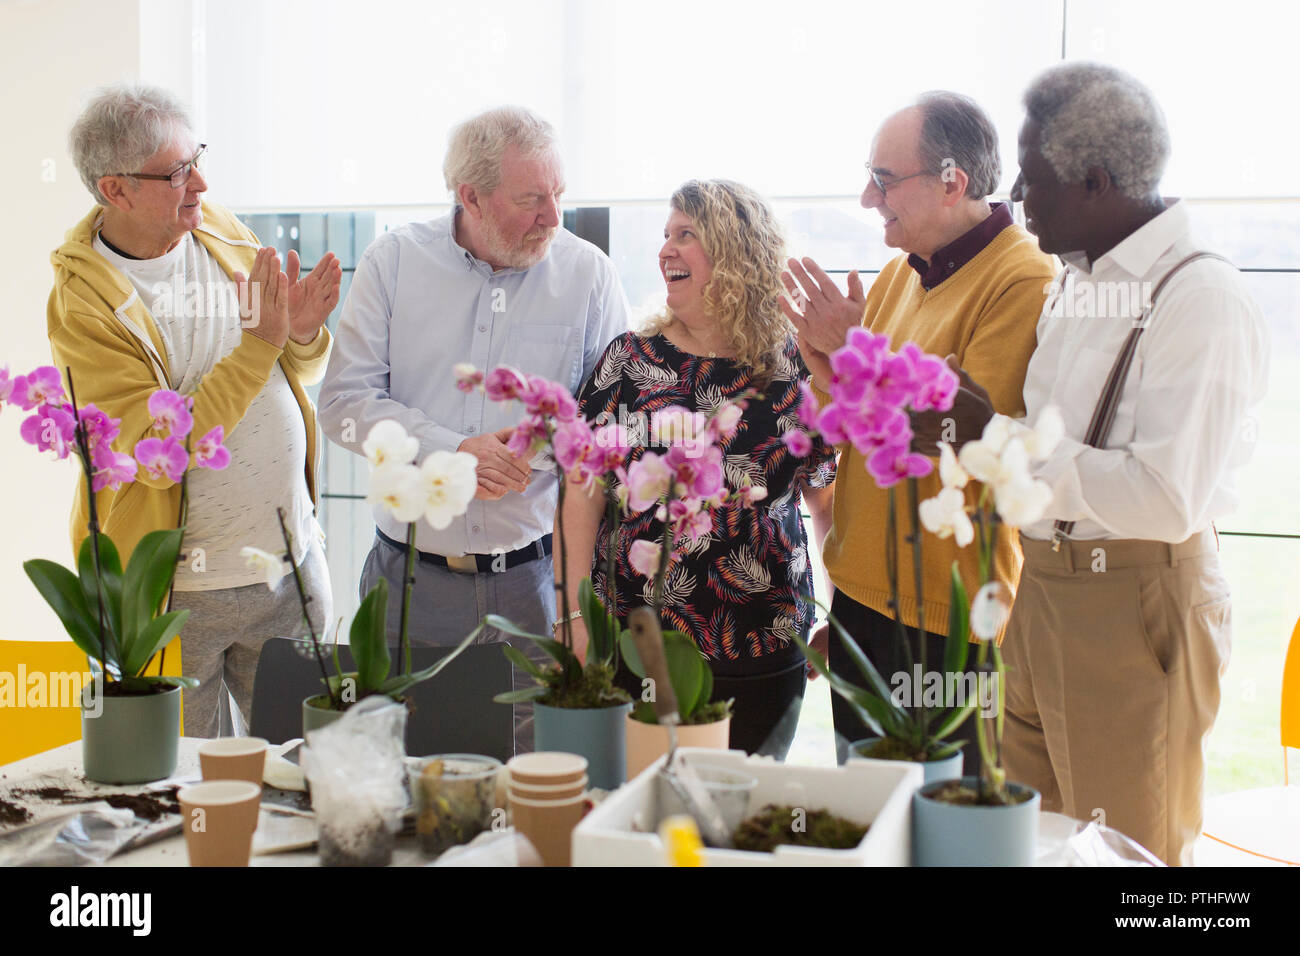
{"x": 87, "y": 835}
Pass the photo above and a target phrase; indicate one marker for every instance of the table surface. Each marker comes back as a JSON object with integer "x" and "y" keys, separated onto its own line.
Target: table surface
{"x": 1054, "y": 828}
{"x": 170, "y": 850}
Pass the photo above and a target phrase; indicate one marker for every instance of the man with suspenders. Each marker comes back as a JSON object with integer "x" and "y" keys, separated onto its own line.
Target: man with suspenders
{"x": 1155, "y": 354}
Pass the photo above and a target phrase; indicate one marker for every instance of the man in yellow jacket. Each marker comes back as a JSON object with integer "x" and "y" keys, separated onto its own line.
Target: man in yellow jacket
{"x": 971, "y": 284}
{"x": 146, "y": 297}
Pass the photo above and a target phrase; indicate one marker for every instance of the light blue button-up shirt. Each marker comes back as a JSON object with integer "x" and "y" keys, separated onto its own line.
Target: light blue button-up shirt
{"x": 420, "y": 304}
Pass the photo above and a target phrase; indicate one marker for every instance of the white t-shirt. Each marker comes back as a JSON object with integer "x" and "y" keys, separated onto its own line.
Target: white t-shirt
{"x": 194, "y": 304}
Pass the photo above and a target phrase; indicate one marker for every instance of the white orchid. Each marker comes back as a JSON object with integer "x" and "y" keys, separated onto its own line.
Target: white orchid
{"x": 1041, "y": 440}
{"x": 449, "y": 481}
{"x": 271, "y": 566}
{"x": 951, "y": 472}
{"x": 389, "y": 444}
{"x": 945, "y": 516}
{"x": 1022, "y": 501}
{"x": 399, "y": 490}
{"x": 989, "y": 611}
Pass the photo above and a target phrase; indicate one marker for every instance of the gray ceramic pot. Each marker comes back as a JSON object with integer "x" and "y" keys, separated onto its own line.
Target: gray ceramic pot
{"x": 944, "y": 834}
{"x": 598, "y": 733}
{"x": 949, "y": 768}
{"x": 132, "y": 739}
{"x": 314, "y": 717}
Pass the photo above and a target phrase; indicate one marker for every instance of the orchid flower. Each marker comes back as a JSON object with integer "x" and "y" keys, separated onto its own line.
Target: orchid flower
{"x": 270, "y": 566}
{"x": 162, "y": 458}
{"x": 209, "y": 452}
{"x": 388, "y": 444}
{"x": 449, "y": 481}
{"x": 400, "y": 490}
{"x": 171, "y": 413}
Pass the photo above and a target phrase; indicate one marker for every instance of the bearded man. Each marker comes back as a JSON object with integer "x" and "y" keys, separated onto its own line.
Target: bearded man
{"x": 495, "y": 282}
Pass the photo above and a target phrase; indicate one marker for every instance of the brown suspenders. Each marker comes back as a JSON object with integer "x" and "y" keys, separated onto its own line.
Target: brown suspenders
{"x": 1104, "y": 414}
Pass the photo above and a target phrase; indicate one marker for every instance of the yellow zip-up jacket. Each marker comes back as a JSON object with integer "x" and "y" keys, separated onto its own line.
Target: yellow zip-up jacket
{"x": 100, "y": 329}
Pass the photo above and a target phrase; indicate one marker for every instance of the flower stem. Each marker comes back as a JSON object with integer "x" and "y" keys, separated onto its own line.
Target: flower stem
{"x": 302, "y": 596}
{"x": 408, "y": 585}
{"x": 611, "y": 611}
{"x": 915, "y": 538}
{"x": 83, "y": 445}
{"x": 665, "y": 555}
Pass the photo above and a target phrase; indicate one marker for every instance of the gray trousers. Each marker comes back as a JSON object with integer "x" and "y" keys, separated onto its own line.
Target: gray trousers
{"x": 446, "y": 605}
{"x": 223, "y": 637}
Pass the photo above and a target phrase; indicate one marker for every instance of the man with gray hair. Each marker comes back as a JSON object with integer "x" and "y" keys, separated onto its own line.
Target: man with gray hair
{"x": 495, "y": 282}
{"x": 1121, "y": 629}
{"x": 145, "y": 298}
{"x": 970, "y": 285}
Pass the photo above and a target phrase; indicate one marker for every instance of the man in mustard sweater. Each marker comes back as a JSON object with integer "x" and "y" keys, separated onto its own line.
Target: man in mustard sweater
{"x": 970, "y": 284}
{"x": 144, "y": 299}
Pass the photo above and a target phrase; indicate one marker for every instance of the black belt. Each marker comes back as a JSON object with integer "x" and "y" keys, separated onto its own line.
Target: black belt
{"x": 479, "y": 563}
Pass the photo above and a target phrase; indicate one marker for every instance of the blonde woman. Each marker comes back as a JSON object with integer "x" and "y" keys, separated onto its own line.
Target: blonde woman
{"x": 739, "y": 591}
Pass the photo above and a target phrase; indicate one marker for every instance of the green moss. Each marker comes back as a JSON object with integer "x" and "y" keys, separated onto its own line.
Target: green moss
{"x": 956, "y": 794}
{"x": 594, "y": 689}
{"x": 775, "y": 825}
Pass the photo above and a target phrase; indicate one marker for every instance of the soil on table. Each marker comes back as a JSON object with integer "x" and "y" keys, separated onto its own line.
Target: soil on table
{"x": 774, "y": 826}
{"x": 12, "y": 813}
{"x": 958, "y": 795}
{"x": 146, "y": 806}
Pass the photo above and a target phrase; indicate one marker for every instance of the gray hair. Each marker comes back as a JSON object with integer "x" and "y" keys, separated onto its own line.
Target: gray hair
{"x": 956, "y": 131}
{"x": 120, "y": 129}
{"x": 476, "y": 147}
{"x": 1095, "y": 115}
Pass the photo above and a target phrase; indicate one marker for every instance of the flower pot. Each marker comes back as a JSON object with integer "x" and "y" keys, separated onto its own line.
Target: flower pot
{"x": 133, "y": 739}
{"x": 945, "y": 834}
{"x": 646, "y": 743}
{"x": 597, "y": 733}
{"x": 949, "y": 768}
{"x": 315, "y": 716}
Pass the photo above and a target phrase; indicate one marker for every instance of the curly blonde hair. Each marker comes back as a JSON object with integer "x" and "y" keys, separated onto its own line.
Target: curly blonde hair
{"x": 742, "y": 239}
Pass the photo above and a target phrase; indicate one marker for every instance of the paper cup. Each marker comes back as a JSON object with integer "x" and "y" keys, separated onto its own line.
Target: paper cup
{"x": 233, "y": 758}
{"x": 546, "y": 768}
{"x": 218, "y": 819}
{"x": 548, "y": 825}
{"x": 560, "y": 791}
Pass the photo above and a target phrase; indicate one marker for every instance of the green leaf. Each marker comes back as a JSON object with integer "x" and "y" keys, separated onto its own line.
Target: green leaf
{"x": 630, "y": 655}
{"x": 600, "y": 646}
{"x": 63, "y": 593}
{"x": 110, "y": 565}
{"x": 520, "y": 659}
{"x": 155, "y": 635}
{"x": 956, "y": 717}
{"x": 684, "y": 665}
{"x": 504, "y": 624}
{"x": 958, "y": 644}
{"x": 368, "y": 637}
{"x": 861, "y": 661}
{"x": 398, "y": 684}
{"x": 148, "y": 575}
{"x": 881, "y": 716}
{"x": 520, "y": 696}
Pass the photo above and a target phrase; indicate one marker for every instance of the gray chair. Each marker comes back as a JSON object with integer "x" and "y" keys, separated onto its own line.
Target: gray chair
{"x": 451, "y": 713}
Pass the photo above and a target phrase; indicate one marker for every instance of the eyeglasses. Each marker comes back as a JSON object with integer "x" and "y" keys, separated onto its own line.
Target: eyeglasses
{"x": 179, "y": 176}
{"x": 885, "y": 187}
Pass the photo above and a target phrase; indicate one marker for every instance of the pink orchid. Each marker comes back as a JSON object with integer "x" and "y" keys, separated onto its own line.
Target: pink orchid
{"x": 209, "y": 452}
{"x": 697, "y": 473}
{"x": 549, "y": 399}
{"x": 504, "y": 384}
{"x": 807, "y": 408}
{"x": 690, "y": 519}
{"x": 893, "y": 463}
{"x": 51, "y": 428}
{"x": 644, "y": 557}
{"x": 648, "y": 479}
{"x": 573, "y": 441}
{"x": 613, "y": 445}
{"x": 162, "y": 458}
{"x": 528, "y": 437}
{"x": 750, "y": 495}
{"x": 798, "y": 442}
{"x": 171, "y": 412}
{"x": 100, "y": 429}
{"x": 726, "y": 420}
{"x": 6, "y": 385}
{"x": 936, "y": 385}
{"x": 111, "y": 469}
{"x": 468, "y": 377}
{"x": 41, "y": 386}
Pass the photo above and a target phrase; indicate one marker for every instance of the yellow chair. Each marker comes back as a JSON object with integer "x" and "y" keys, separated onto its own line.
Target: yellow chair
{"x": 1265, "y": 823}
{"x": 40, "y": 694}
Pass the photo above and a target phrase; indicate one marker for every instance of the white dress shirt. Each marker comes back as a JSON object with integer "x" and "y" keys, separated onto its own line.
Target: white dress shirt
{"x": 1184, "y": 422}
{"x": 419, "y": 305}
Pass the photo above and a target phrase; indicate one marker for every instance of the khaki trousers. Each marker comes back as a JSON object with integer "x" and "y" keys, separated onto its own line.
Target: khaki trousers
{"x": 1114, "y": 653}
